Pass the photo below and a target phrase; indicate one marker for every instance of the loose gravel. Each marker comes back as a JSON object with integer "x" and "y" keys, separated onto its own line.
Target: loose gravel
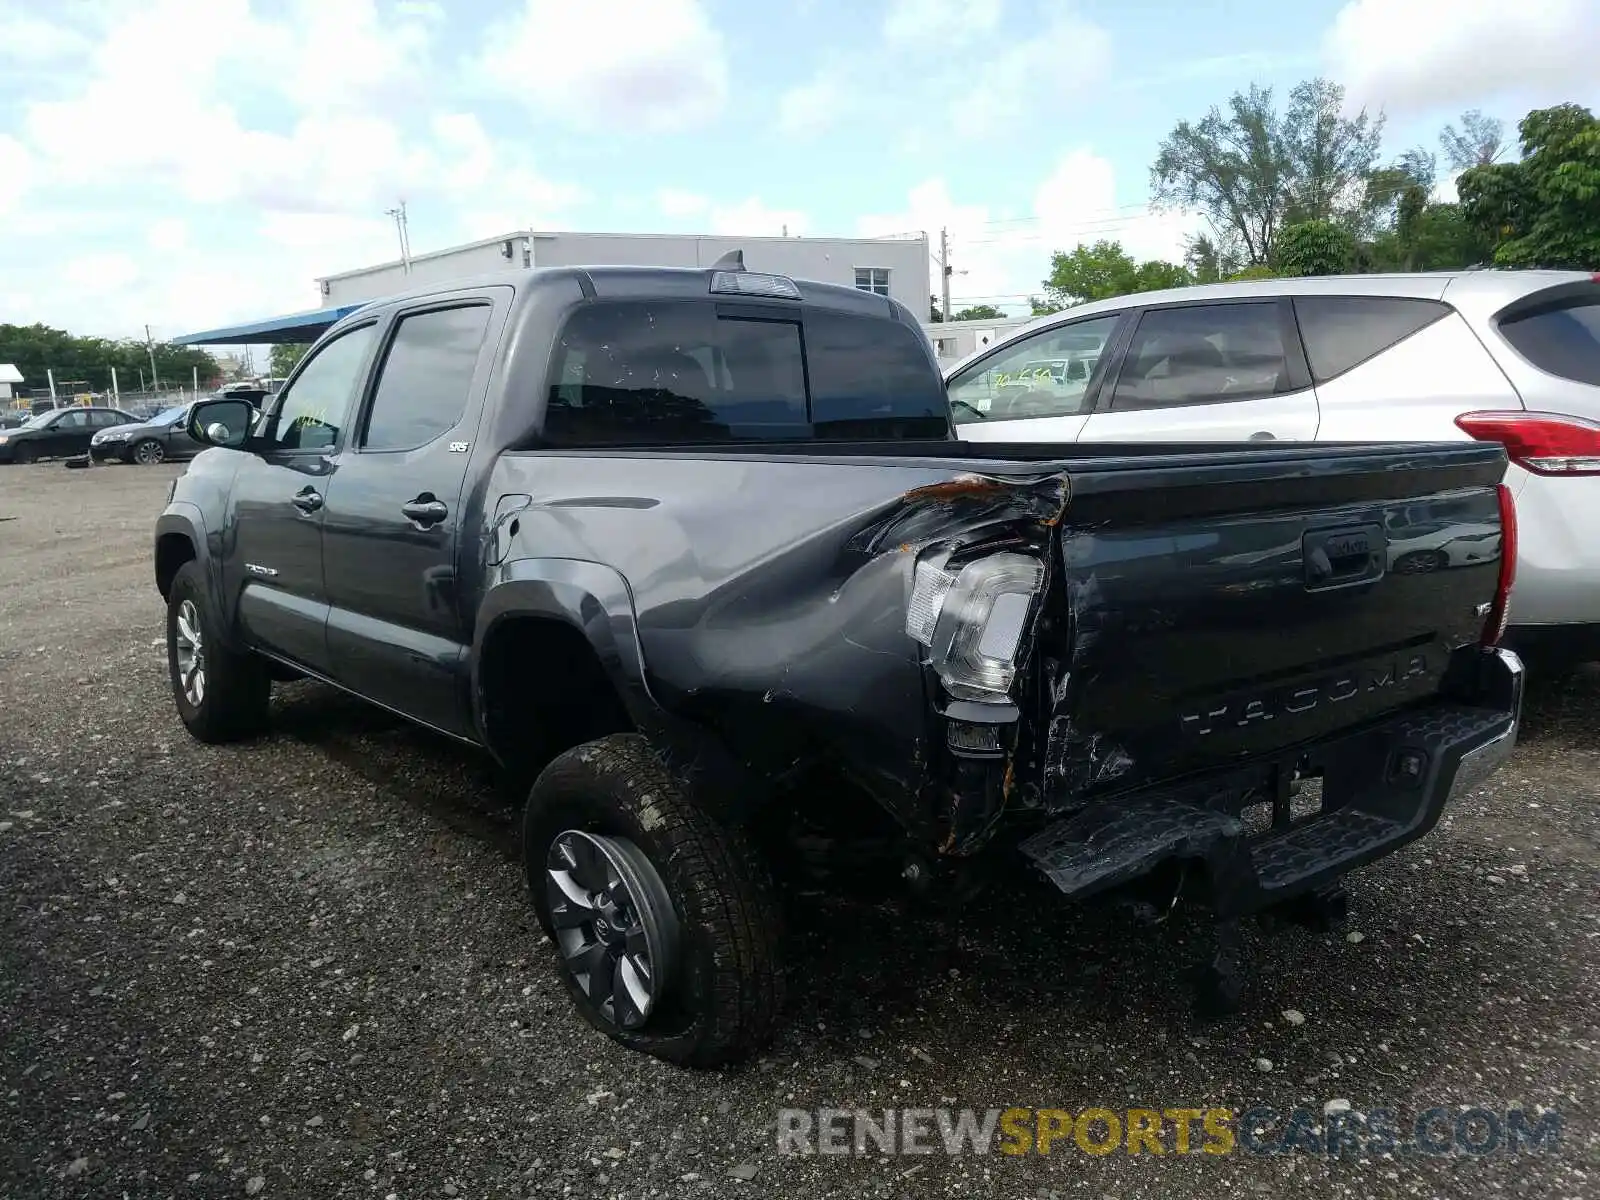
{"x": 306, "y": 966}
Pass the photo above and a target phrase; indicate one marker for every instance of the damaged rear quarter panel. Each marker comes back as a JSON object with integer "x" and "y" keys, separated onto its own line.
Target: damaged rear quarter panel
{"x": 770, "y": 592}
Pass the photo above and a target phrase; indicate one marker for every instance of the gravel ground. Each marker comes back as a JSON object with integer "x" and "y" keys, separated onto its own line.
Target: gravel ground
{"x": 306, "y": 967}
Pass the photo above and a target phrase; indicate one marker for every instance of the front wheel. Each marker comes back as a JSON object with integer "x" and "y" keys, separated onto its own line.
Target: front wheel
{"x": 24, "y": 454}
{"x": 221, "y": 694}
{"x": 148, "y": 453}
{"x": 664, "y": 922}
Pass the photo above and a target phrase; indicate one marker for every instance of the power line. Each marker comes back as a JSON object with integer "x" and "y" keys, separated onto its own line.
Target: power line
{"x": 1111, "y": 225}
{"x": 1135, "y": 207}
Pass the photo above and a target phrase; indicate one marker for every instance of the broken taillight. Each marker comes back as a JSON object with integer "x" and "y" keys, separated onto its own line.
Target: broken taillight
{"x": 972, "y": 619}
{"x": 1541, "y": 442}
{"x": 1494, "y": 627}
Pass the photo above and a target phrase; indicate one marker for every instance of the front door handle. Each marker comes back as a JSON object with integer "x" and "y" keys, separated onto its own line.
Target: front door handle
{"x": 307, "y": 500}
{"x": 1262, "y": 436}
{"x": 425, "y": 510}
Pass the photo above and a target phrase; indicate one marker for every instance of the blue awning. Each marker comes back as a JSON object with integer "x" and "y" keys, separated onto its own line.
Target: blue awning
{"x": 294, "y": 328}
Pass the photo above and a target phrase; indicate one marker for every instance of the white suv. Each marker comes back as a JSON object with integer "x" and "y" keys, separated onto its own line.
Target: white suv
{"x": 1507, "y": 356}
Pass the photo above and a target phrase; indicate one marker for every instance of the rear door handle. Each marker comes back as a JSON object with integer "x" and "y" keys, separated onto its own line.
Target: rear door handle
{"x": 307, "y": 500}
{"x": 425, "y": 510}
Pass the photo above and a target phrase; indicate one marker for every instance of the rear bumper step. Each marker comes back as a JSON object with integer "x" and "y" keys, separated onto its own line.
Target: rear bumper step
{"x": 1383, "y": 787}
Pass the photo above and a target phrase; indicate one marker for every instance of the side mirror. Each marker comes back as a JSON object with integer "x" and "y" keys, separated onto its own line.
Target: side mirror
{"x": 225, "y": 423}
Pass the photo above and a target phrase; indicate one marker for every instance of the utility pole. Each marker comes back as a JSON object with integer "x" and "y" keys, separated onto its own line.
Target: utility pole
{"x": 150, "y": 345}
{"x": 944, "y": 270}
{"x": 402, "y": 227}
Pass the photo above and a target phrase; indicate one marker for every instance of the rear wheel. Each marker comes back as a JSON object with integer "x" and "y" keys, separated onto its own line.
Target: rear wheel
{"x": 664, "y": 922}
{"x": 221, "y": 694}
{"x": 148, "y": 453}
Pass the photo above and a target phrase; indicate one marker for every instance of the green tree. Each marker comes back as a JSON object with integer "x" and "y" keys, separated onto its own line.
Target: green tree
{"x": 1253, "y": 170}
{"x": 38, "y": 350}
{"x": 286, "y": 356}
{"x": 1315, "y": 248}
{"x": 1039, "y": 306}
{"x": 1101, "y": 271}
{"x": 978, "y": 312}
{"x": 1208, "y": 260}
{"x": 1257, "y": 271}
{"x": 1545, "y": 210}
{"x": 1480, "y": 141}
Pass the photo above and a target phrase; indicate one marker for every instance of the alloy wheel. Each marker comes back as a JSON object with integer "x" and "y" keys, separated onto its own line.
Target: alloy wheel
{"x": 614, "y": 924}
{"x": 191, "y": 654}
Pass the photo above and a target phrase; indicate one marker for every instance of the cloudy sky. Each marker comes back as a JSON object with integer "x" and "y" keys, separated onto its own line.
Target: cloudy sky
{"x": 191, "y": 162}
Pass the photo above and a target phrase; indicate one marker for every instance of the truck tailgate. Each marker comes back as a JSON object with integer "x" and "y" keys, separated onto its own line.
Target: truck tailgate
{"x": 1239, "y": 605}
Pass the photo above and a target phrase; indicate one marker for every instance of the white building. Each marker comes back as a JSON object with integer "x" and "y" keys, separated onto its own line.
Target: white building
{"x": 896, "y": 266}
{"x": 8, "y": 375}
{"x": 957, "y": 339}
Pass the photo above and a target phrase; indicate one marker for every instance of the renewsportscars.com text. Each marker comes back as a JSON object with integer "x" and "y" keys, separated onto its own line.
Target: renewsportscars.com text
{"x": 1333, "y": 1133}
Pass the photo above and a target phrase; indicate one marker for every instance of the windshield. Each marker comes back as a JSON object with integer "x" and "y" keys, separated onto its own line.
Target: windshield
{"x": 169, "y": 415}
{"x": 40, "y": 420}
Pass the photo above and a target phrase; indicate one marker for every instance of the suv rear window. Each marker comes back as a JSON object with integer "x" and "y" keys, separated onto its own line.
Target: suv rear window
{"x": 1562, "y": 338}
{"x": 1341, "y": 332}
{"x": 647, "y": 372}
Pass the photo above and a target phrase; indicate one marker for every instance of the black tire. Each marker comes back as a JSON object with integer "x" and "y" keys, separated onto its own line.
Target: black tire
{"x": 728, "y": 979}
{"x": 236, "y": 686}
{"x": 147, "y": 452}
{"x": 24, "y": 454}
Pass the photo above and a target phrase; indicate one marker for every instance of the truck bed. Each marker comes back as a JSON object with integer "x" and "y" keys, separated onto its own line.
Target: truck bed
{"x": 1180, "y": 629}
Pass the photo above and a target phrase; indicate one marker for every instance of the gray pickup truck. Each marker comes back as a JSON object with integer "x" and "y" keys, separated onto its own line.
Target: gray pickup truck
{"x": 695, "y": 554}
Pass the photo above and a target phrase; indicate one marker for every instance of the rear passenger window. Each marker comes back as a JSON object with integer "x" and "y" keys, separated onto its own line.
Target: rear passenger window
{"x": 1341, "y": 332}
{"x": 425, "y": 377}
{"x": 1563, "y": 339}
{"x": 873, "y": 379}
{"x": 638, "y": 372}
{"x": 1203, "y": 354}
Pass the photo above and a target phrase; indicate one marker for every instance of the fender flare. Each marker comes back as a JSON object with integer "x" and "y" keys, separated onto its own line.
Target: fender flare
{"x": 590, "y": 597}
{"x": 185, "y": 519}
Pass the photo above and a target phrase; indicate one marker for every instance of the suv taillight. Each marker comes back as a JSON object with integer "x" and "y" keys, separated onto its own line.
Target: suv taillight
{"x": 1494, "y": 627}
{"x": 1541, "y": 442}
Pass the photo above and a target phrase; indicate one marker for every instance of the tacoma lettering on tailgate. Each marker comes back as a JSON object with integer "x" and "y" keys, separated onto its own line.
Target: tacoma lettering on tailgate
{"x": 1295, "y": 699}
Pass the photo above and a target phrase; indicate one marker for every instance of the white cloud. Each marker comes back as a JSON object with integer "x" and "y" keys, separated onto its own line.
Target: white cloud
{"x": 211, "y": 215}
{"x": 1423, "y": 55}
{"x": 167, "y": 235}
{"x": 939, "y": 23}
{"x": 1065, "y": 61}
{"x": 16, "y": 173}
{"x": 679, "y": 204}
{"x": 30, "y": 41}
{"x": 812, "y": 107}
{"x": 1002, "y": 259}
{"x": 92, "y": 273}
{"x": 629, "y": 65}
{"x": 755, "y": 219}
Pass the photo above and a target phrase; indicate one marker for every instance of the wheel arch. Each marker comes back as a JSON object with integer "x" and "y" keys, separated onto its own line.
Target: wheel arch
{"x": 576, "y": 617}
{"x": 180, "y": 538}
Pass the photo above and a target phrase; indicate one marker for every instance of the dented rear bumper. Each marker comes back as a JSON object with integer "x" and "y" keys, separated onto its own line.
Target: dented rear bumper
{"x": 1383, "y": 786}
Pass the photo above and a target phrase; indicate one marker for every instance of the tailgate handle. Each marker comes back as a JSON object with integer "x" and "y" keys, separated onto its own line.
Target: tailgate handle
{"x": 1343, "y": 557}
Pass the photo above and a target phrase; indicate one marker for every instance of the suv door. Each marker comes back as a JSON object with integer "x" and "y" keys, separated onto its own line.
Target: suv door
{"x": 1228, "y": 371}
{"x": 392, "y": 525}
{"x": 1039, "y": 388}
{"x": 272, "y": 549}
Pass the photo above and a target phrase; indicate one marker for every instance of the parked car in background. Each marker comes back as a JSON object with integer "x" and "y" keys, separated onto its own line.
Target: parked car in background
{"x": 147, "y": 442}
{"x": 58, "y": 433}
{"x": 1503, "y": 356}
{"x": 15, "y": 417}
